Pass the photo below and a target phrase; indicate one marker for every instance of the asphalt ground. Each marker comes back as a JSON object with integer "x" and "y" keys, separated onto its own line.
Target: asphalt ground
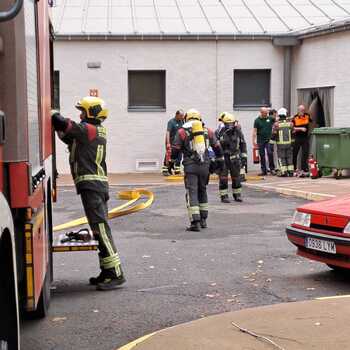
{"x": 242, "y": 260}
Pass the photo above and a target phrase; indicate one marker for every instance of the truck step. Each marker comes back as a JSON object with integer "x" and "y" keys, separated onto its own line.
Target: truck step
{"x": 71, "y": 246}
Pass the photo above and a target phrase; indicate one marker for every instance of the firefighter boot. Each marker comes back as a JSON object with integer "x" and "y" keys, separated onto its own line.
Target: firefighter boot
{"x": 94, "y": 281}
{"x": 111, "y": 283}
{"x": 225, "y": 199}
{"x": 111, "y": 280}
{"x": 195, "y": 226}
{"x": 237, "y": 197}
{"x": 203, "y": 223}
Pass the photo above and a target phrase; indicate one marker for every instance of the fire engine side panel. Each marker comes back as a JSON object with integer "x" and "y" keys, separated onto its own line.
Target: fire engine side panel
{"x": 32, "y": 86}
{"x": 39, "y": 253}
{"x": 13, "y": 92}
{"x": 45, "y": 77}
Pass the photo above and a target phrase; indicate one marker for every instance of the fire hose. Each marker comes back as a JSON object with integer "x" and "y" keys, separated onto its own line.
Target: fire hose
{"x": 132, "y": 196}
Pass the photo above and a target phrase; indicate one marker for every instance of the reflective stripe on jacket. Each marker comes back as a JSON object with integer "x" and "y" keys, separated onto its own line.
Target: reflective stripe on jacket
{"x": 283, "y": 131}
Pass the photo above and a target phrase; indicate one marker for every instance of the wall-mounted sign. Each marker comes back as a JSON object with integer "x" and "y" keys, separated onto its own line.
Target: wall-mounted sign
{"x": 94, "y": 65}
{"x": 94, "y": 92}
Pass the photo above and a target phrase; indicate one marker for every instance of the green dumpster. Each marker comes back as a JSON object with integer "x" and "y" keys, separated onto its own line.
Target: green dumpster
{"x": 332, "y": 148}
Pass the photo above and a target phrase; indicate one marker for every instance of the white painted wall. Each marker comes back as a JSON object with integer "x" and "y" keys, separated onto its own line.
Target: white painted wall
{"x": 199, "y": 74}
{"x": 325, "y": 61}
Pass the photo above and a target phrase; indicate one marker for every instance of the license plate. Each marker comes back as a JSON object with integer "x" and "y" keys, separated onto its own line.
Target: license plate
{"x": 321, "y": 245}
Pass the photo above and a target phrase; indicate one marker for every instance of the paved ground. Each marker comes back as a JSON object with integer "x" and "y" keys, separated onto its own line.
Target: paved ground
{"x": 323, "y": 188}
{"x": 306, "y": 325}
{"x": 319, "y": 189}
{"x": 242, "y": 260}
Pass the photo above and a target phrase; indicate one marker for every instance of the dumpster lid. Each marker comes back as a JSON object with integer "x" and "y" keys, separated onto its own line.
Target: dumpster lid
{"x": 330, "y": 131}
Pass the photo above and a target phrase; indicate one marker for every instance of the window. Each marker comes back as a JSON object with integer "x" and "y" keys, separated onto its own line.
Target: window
{"x": 251, "y": 88}
{"x": 146, "y": 90}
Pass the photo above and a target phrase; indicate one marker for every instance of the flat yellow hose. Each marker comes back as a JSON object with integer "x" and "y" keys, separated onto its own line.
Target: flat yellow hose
{"x": 124, "y": 209}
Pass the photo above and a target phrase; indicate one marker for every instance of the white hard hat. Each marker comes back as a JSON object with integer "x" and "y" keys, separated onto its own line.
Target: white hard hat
{"x": 282, "y": 111}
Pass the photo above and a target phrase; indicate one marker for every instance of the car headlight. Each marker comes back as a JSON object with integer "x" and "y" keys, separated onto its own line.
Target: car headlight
{"x": 347, "y": 228}
{"x": 302, "y": 219}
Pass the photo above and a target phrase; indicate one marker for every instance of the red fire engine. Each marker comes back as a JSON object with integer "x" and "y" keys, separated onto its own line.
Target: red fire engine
{"x": 27, "y": 170}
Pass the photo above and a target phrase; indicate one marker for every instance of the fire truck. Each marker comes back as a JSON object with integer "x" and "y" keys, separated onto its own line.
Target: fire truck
{"x": 27, "y": 164}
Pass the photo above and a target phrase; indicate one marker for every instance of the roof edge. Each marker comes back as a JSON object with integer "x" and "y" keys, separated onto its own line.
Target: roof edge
{"x": 174, "y": 37}
{"x": 334, "y": 27}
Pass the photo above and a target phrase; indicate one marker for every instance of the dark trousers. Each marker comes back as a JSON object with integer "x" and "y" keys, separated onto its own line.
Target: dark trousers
{"x": 285, "y": 158}
{"x": 196, "y": 193}
{"x": 264, "y": 148}
{"x": 96, "y": 211}
{"x": 232, "y": 167}
{"x": 303, "y": 144}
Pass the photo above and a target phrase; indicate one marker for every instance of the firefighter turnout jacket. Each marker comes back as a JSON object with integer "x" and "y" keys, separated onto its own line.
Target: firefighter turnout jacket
{"x": 282, "y": 131}
{"x": 87, "y": 152}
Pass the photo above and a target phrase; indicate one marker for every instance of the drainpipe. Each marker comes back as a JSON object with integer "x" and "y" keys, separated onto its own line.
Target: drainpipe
{"x": 287, "y": 77}
{"x": 287, "y": 43}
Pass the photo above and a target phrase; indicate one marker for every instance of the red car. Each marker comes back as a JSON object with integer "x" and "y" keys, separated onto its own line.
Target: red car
{"x": 321, "y": 231}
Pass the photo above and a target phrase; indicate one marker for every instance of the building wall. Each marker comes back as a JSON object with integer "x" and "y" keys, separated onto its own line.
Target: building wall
{"x": 325, "y": 61}
{"x": 199, "y": 74}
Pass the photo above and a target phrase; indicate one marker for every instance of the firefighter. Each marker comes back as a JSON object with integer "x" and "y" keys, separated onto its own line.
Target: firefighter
{"x": 87, "y": 147}
{"x": 173, "y": 126}
{"x": 235, "y": 152}
{"x": 282, "y": 134}
{"x": 220, "y": 122}
{"x": 302, "y": 124}
{"x": 193, "y": 140}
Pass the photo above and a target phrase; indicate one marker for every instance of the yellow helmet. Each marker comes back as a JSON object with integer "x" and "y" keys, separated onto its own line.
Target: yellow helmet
{"x": 221, "y": 116}
{"x": 94, "y": 107}
{"x": 228, "y": 118}
{"x": 192, "y": 114}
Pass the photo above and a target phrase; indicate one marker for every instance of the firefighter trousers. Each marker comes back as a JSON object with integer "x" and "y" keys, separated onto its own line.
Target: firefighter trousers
{"x": 196, "y": 193}
{"x": 96, "y": 211}
{"x": 285, "y": 158}
{"x": 232, "y": 167}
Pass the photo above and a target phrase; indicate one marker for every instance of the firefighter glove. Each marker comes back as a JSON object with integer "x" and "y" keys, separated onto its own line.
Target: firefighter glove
{"x": 59, "y": 123}
{"x": 244, "y": 159}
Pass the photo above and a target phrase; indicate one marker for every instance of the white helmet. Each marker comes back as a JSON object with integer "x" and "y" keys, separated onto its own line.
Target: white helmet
{"x": 282, "y": 111}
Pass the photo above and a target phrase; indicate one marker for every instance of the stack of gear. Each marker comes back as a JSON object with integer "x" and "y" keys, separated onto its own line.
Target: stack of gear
{"x": 87, "y": 147}
{"x": 235, "y": 152}
{"x": 194, "y": 140}
{"x": 282, "y": 134}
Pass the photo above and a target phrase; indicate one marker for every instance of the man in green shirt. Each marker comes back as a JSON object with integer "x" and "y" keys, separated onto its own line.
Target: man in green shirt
{"x": 174, "y": 124}
{"x": 261, "y": 137}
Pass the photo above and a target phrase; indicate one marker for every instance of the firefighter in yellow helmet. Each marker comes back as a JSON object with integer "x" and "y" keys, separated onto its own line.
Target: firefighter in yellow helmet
{"x": 193, "y": 140}
{"x": 235, "y": 152}
{"x": 87, "y": 147}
